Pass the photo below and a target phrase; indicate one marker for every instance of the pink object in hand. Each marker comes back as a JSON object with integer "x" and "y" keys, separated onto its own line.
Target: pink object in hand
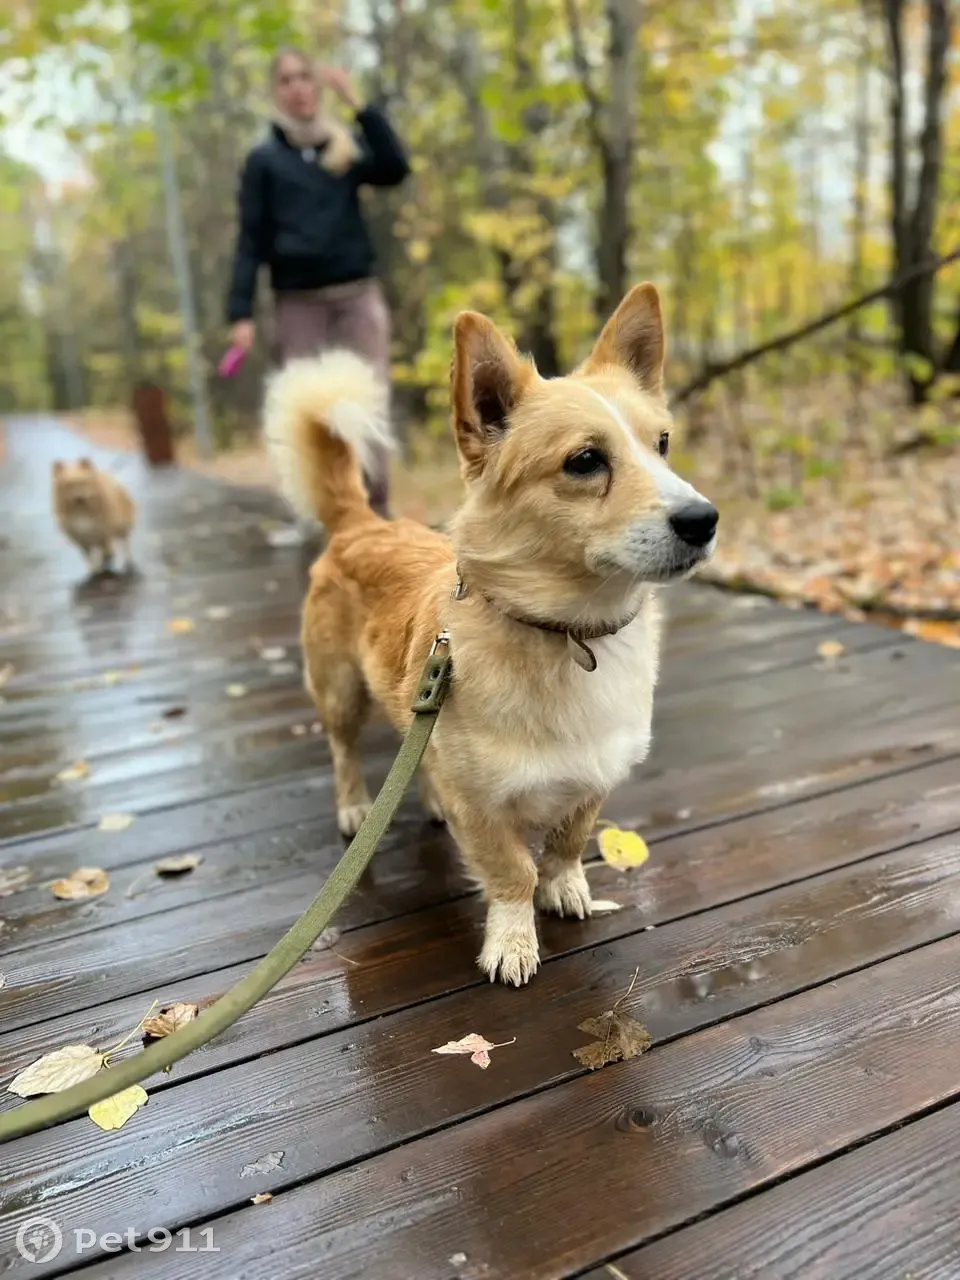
{"x": 232, "y": 361}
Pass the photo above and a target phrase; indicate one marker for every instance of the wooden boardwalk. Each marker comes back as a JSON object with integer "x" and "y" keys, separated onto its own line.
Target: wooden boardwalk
{"x": 796, "y": 929}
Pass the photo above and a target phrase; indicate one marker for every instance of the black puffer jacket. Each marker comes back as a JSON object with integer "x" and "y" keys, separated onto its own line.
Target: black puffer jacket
{"x": 304, "y": 222}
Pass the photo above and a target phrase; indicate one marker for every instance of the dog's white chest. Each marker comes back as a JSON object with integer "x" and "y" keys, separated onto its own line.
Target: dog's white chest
{"x": 542, "y": 739}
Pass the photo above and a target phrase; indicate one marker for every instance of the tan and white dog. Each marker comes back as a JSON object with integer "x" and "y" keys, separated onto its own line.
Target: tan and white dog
{"x": 94, "y": 511}
{"x": 571, "y": 520}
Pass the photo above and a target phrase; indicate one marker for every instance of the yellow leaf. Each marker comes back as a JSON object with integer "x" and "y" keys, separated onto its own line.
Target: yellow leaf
{"x": 830, "y": 649}
{"x": 113, "y": 1113}
{"x": 169, "y": 1020}
{"x": 622, "y": 849}
{"x": 935, "y": 632}
{"x": 85, "y": 882}
{"x": 115, "y": 822}
{"x": 262, "y": 1197}
{"x": 57, "y": 1071}
{"x": 74, "y": 772}
{"x": 178, "y": 865}
{"x": 236, "y": 690}
{"x": 180, "y": 626}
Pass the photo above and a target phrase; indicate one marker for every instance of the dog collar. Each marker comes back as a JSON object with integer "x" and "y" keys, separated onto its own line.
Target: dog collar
{"x": 578, "y": 638}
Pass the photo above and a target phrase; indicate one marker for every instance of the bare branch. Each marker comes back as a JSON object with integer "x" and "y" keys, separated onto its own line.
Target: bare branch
{"x": 714, "y": 371}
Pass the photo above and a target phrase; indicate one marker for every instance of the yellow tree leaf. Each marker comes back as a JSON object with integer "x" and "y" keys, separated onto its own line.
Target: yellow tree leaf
{"x": 115, "y": 822}
{"x": 830, "y": 649}
{"x": 113, "y": 1113}
{"x": 74, "y": 772}
{"x": 178, "y": 865}
{"x": 57, "y": 1071}
{"x": 622, "y": 849}
{"x": 85, "y": 882}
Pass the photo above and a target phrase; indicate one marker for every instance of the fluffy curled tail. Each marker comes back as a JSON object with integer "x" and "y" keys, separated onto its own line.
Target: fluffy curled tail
{"x": 326, "y": 423}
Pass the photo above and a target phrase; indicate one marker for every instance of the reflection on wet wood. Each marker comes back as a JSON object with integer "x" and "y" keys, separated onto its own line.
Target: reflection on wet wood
{"x": 795, "y": 928}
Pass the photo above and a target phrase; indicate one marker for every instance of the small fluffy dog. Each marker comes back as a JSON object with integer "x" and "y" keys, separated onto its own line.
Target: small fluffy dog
{"x": 546, "y": 588}
{"x": 94, "y": 511}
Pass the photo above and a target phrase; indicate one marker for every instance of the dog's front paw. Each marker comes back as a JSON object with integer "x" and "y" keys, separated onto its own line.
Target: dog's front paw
{"x": 510, "y": 948}
{"x": 350, "y": 817}
{"x": 564, "y": 891}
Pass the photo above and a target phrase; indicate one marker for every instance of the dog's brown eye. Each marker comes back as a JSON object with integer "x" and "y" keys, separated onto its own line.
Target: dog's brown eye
{"x": 663, "y": 444}
{"x": 587, "y": 462}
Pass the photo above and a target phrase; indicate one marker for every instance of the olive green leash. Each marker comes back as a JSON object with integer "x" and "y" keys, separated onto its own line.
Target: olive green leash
{"x": 55, "y": 1107}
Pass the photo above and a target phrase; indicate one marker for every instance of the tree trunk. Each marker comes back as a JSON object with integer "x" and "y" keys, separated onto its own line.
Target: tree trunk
{"x": 613, "y": 231}
{"x": 912, "y": 224}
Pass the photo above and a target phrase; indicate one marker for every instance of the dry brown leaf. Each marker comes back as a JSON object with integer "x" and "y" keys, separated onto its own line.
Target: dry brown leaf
{"x": 946, "y": 633}
{"x": 266, "y": 1164}
{"x": 85, "y": 882}
{"x": 57, "y": 1071}
{"x": 476, "y": 1046}
{"x": 178, "y": 865}
{"x": 13, "y": 879}
{"x": 74, "y": 772}
{"x": 180, "y": 626}
{"x": 168, "y": 1020}
{"x": 174, "y": 713}
{"x": 262, "y": 1197}
{"x": 115, "y": 1111}
{"x": 830, "y": 649}
{"x": 115, "y": 822}
{"x": 618, "y": 1036}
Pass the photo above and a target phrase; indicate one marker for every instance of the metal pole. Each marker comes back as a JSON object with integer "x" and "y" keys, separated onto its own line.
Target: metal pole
{"x": 181, "y": 266}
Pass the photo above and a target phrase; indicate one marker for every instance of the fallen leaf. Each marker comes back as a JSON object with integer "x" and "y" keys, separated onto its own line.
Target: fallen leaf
{"x": 113, "y": 1113}
{"x": 74, "y": 772}
{"x": 57, "y": 1071}
{"x": 262, "y": 1197}
{"x": 266, "y": 1164}
{"x": 178, "y": 865}
{"x": 115, "y": 822}
{"x": 619, "y": 1037}
{"x": 12, "y": 879}
{"x": 236, "y": 690}
{"x": 935, "y": 632}
{"x": 830, "y": 649}
{"x": 622, "y": 849}
{"x": 217, "y": 612}
{"x": 180, "y": 626}
{"x": 476, "y": 1046}
{"x": 169, "y": 1020}
{"x": 85, "y": 882}
{"x": 329, "y": 938}
{"x": 603, "y": 906}
{"x": 273, "y": 654}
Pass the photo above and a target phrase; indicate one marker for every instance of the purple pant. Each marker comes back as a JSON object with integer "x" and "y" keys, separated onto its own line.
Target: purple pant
{"x": 357, "y": 318}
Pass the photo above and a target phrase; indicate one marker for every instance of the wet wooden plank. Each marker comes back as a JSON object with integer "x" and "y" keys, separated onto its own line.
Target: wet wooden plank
{"x": 884, "y": 1212}
{"x": 346, "y": 1096}
{"x": 418, "y": 868}
{"x": 619, "y": 1155}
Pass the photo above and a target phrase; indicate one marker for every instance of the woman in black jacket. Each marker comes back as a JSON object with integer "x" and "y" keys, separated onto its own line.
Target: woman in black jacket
{"x": 300, "y": 216}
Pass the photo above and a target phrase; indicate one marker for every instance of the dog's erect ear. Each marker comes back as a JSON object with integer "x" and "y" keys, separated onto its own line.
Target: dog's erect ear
{"x": 487, "y": 380}
{"x": 633, "y": 339}
{"x": 57, "y": 467}
{"x": 85, "y": 464}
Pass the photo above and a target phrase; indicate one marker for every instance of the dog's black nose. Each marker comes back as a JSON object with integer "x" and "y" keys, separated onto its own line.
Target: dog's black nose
{"x": 696, "y": 523}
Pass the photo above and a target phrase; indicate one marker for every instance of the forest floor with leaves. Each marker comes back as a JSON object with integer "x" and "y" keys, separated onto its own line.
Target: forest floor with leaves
{"x": 881, "y": 538}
